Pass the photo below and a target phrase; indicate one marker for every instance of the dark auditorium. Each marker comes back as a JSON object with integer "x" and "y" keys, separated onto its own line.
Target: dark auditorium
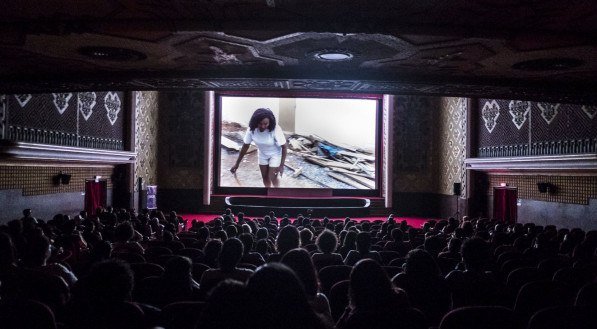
{"x": 298, "y": 164}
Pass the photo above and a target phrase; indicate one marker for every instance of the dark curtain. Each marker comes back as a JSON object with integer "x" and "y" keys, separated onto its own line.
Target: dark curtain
{"x": 504, "y": 204}
{"x": 96, "y": 194}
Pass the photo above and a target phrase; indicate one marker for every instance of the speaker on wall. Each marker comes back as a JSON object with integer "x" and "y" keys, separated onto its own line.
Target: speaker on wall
{"x": 457, "y": 188}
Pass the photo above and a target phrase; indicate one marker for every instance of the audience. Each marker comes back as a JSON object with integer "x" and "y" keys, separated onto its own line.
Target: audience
{"x": 69, "y": 264}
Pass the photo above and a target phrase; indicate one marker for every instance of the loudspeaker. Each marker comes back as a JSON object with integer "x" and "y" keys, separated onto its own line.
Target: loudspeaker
{"x": 65, "y": 179}
{"x": 457, "y": 188}
{"x": 543, "y": 187}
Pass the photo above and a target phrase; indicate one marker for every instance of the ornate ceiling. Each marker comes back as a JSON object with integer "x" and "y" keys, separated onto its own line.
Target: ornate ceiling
{"x": 498, "y": 48}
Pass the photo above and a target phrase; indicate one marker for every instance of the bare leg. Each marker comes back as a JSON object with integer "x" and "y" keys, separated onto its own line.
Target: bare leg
{"x": 273, "y": 177}
{"x": 264, "y": 175}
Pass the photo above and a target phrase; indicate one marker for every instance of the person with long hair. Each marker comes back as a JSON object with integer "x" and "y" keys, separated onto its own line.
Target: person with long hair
{"x": 271, "y": 146}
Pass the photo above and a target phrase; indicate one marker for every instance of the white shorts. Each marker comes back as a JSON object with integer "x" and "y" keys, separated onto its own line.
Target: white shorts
{"x": 273, "y": 161}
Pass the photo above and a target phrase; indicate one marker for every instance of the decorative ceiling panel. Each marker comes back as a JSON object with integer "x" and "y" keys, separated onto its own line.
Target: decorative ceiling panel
{"x": 454, "y": 47}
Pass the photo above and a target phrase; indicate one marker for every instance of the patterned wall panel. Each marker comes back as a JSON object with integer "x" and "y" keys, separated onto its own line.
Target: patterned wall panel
{"x": 180, "y": 164}
{"x": 503, "y": 122}
{"x": 3, "y": 116}
{"x": 553, "y": 128}
{"x": 38, "y": 180}
{"x": 146, "y": 141}
{"x": 53, "y": 112}
{"x": 452, "y": 144}
{"x": 101, "y": 116}
{"x": 569, "y": 189}
{"x": 89, "y": 119}
{"x": 415, "y": 166}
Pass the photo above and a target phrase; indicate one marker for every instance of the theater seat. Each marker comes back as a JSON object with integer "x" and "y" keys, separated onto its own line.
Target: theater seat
{"x": 330, "y": 275}
{"x": 339, "y": 299}
{"x": 26, "y": 314}
{"x": 181, "y": 315}
{"x": 481, "y": 317}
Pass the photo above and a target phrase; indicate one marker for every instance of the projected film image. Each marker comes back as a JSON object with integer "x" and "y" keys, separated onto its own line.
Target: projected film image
{"x": 315, "y": 142}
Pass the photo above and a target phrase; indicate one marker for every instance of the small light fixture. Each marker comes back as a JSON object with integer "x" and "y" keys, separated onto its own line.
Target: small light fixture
{"x": 503, "y": 184}
{"x": 335, "y": 55}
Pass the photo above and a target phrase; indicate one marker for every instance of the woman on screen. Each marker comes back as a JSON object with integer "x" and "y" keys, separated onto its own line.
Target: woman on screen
{"x": 271, "y": 146}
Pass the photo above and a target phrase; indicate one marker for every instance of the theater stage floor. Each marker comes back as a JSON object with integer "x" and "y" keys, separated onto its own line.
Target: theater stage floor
{"x": 412, "y": 221}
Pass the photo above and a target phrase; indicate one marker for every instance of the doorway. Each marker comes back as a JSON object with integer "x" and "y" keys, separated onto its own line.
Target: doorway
{"x": 505, "y": 204}
{"x": 96, "y": 195}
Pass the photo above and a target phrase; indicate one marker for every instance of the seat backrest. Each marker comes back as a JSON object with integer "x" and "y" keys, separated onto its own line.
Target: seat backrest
{"x": 130, "y": 257}
{"x": 538, "y": 295}
{"x": 339, "y": 298}
{"x": 480, "y": 317}
{"x": 28, "y": 314}
{"x": 388, "y": 256}
{"x": 563, "y": 317}
{"x": 330, "y": 275}
{"x": 144, "y": 270}
{"x": 519, "y": 277}
{"x": 196, "y": 255}
{"x": 181, "y": 315}
{"x": 197, "y": 271}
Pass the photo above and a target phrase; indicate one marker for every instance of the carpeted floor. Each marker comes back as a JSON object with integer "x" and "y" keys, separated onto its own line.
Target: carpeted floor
{"x": 412, "y": 221}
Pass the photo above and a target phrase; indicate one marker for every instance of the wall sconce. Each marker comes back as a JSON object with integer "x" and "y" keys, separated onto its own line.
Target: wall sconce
{"x": 61, "y": 178}
{"x": 545, "y": 187}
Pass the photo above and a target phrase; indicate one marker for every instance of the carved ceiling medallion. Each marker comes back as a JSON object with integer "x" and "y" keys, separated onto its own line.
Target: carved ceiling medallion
{"x": 519, "y": 111}
{"x": 490, "y": 113}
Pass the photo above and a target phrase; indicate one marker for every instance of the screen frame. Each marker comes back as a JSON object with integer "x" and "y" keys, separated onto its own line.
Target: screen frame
{"x": 379, "y": 152}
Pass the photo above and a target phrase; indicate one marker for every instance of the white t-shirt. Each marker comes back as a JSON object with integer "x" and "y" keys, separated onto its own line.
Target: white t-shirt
{"x": 269, "y": 143}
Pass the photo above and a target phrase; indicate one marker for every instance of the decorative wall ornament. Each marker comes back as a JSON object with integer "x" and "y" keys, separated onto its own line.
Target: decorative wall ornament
{"x": 112, "y": 104}
{"x": 490, "y": 113}
{"x": 61, "y": 101}
{"x": 519, "y": 111}
{"x": 549, "y": 111}
{"x": 23, "y": 99}
{"x": 2, "y": 116}
{"x": 590, "y": 111}
{"x": 86, "y": 103}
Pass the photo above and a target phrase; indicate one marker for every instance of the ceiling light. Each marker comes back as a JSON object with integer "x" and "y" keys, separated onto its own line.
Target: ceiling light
{"x": 333, "y": 55}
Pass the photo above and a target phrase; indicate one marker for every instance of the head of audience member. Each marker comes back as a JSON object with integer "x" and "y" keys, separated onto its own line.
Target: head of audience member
{"x": 38, "y": 251}
{"x": 454, "y": 245}
{"x": 231, "y": 231}
{"x": 110, "y": 281}
{"x": 225, "y": 307}
{"x": 420, "y": 264}
{"x": 124, "y": 232}
{"x": 211, "y": 252}
{"x": 230, "y": 255}
{"x": 397, "y": 235}
{"x": 306, "y": 237}
{"x": 327, "y": 241}
{"x": 350, "y": 240}
{"x": 288, "y": 239}
{"x": 221, "y": 235}
{"x": 433, "y": 245}
{"x": 262, "y": 247}
{"x": 277, "y": 292}
{"x": 262, "y": 233}
{"x": 247, "y": 240}
{"x": 475, "y": 254}
{"x": 300, "y": 262}
{"x": 178, "y": 270}
{"x": 370, "y": 287}
{"x": 363, "y": 242}
{"x": 102, "y": 250}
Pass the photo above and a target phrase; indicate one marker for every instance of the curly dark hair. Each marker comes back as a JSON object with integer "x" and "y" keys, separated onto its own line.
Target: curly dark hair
{"x": 261, "y": 114}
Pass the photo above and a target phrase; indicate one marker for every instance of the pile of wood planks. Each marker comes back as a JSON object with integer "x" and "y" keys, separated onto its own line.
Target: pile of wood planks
{"x": 350, "y": 165}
